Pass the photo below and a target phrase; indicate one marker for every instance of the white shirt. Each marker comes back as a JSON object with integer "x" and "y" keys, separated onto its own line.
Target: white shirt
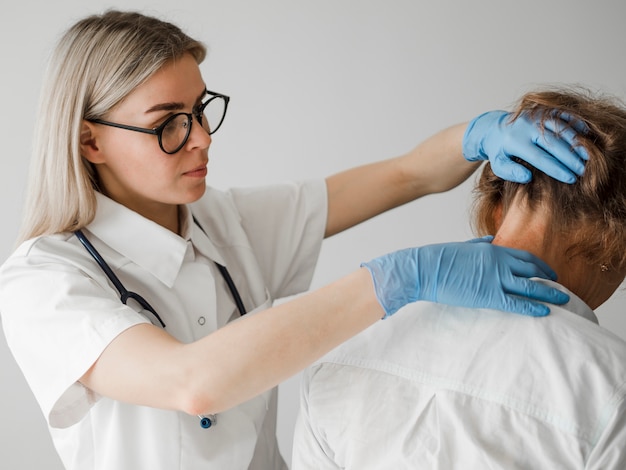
{"x": 437, "y": 387}
{"x": 60, "y": 311}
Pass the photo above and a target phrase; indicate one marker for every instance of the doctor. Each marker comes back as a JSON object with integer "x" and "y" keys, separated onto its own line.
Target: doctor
{"x": 139, "y": 299}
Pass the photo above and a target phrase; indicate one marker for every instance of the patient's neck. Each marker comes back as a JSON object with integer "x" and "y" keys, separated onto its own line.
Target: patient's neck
{"x": 526, "y": 229}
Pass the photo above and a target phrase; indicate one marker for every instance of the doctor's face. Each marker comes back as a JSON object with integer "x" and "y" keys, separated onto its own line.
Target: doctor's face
{"x": 132, "y": 168}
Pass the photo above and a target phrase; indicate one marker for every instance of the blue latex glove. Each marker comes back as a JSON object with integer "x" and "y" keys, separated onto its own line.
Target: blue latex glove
{"x": 470, "y": 274}
{"x": 491, "y": 136}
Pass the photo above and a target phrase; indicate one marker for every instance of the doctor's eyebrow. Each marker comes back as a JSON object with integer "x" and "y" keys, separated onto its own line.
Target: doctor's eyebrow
{"x": 173, "y": 106}
{"x": 165, "y": 107}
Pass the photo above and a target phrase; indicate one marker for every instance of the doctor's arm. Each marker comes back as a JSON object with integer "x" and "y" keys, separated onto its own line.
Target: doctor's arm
{"x": 145, "y": 365}
{"x": 363, "y": 192}
{"x": 448, "y": 158}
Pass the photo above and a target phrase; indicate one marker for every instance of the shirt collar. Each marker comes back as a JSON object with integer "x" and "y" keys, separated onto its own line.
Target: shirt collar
{"x": 198, "y": 235}
{"x": 144, "y": 242}
{"x": 575, "y": 304}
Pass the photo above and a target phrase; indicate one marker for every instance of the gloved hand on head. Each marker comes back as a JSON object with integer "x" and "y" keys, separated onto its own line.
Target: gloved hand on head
{"x": 492, "y": 136}
{"x": 473, "y": 274}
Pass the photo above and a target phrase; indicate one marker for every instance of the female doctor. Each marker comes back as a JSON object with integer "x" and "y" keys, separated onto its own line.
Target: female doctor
{"x": 138, "y": 303}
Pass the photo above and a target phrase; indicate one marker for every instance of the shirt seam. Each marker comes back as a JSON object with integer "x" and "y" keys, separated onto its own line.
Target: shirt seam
{"x": 471, "y": 391}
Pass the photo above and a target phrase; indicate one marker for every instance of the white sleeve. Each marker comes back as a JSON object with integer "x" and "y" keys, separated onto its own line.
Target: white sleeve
{"x": 57, "y": 320}
{"x": 285, "y": 225}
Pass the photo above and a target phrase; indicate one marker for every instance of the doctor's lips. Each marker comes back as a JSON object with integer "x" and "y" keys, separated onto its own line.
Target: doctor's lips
{"x": 199, "y": 172}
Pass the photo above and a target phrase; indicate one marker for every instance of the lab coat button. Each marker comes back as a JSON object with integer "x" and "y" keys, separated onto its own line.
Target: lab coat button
{"x": 201, "y": 321}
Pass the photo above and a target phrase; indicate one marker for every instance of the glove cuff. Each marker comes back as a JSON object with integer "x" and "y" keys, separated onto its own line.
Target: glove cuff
{"x": 395, "y": 279}
{"x": 476, "y": 131}
{"x": 374, "y": 270}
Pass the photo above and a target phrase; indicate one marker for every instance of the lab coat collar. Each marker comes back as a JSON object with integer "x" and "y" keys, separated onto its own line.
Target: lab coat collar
{"x": 199, "y": 236}
{"x": 141, "y": 240}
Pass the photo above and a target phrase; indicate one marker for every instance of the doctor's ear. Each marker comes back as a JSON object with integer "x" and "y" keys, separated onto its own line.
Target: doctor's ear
{"x": 88, "y": 144}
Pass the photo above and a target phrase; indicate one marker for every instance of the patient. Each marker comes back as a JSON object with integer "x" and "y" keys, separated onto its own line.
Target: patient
{"x": 482, "y": 389}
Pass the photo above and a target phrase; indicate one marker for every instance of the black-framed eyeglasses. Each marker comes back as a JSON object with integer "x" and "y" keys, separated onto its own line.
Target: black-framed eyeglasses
{"x": 174, "y": 131}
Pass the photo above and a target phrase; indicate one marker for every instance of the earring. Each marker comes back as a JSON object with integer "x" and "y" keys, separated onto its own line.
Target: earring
{"x": 604, "y": 268}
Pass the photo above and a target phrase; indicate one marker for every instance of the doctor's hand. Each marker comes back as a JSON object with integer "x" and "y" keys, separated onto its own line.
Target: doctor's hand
{"x": 473, "y": 274}
{"x": 492, "y": 136}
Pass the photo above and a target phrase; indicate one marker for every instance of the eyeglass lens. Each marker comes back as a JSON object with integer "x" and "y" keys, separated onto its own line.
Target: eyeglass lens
{"x": 176, "y": 130}
{"x": 214, "y": 113}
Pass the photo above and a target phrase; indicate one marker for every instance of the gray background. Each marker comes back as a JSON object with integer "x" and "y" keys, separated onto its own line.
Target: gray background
{"x": 316, "y": 87}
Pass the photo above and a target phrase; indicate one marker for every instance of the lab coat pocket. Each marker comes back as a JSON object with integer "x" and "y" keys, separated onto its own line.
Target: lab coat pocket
{"x": 267, "y": 303}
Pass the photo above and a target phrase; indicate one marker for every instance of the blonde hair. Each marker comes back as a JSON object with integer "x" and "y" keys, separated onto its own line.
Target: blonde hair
{"x": 589, "y": 216}
{"x": 97, "y": 62}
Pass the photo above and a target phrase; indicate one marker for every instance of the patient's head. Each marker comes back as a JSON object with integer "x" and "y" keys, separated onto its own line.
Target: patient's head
{"x": 579, "y": 229}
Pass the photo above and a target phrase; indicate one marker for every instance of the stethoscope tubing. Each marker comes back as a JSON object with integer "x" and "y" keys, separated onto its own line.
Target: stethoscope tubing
{"x": 125, "y": 294}
{"x": 232, "y": 288}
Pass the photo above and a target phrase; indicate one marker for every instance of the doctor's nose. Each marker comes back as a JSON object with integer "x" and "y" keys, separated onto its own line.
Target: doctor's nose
{"x": 200, "y": 135}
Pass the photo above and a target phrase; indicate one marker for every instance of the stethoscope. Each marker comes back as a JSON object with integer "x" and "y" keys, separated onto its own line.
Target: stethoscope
{"x": 206, "y": 421}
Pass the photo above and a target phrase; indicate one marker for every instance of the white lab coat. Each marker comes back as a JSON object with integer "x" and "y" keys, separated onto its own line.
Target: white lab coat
{"x": 60, "y": 311}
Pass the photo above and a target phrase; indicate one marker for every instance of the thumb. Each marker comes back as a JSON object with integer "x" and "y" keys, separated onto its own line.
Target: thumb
{"x": 485, "y": 239}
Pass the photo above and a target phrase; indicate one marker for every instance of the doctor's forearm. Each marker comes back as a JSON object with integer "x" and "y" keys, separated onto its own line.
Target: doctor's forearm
{"x": 277, "y": 343}
{"x": 144, "y": 365}
{"x": 436, "y": 165}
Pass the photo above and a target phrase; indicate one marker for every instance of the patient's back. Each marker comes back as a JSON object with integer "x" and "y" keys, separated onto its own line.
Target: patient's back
{"x": 439, "y": 387}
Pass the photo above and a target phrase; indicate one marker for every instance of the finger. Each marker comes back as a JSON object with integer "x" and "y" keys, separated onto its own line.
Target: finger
{"x": 554, "y": 150}
{"x": 563, "y": 153}
{"x": 568, "y": 132}
{"x": 525, "y": 307}
{"x": 525, "y": 264}
{"x": 509, "y": 170}
{"x": 578, "y": 125}
{"x": 535, "y": 290}
{"x": 545, "y": 161}
{"x": 565, "y": 147}
{"x": 485, "y": 239}
{"x": 524, "y": 269}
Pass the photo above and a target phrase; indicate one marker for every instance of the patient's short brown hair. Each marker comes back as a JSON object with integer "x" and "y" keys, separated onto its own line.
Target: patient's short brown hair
{"x": 589, "y": 215}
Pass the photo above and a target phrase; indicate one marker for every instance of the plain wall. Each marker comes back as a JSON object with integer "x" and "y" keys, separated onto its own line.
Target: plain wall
{"x": 317, "y": 87}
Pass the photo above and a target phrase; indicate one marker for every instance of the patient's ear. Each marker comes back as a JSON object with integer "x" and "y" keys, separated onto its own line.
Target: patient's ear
{"x": 89, "y": 143}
